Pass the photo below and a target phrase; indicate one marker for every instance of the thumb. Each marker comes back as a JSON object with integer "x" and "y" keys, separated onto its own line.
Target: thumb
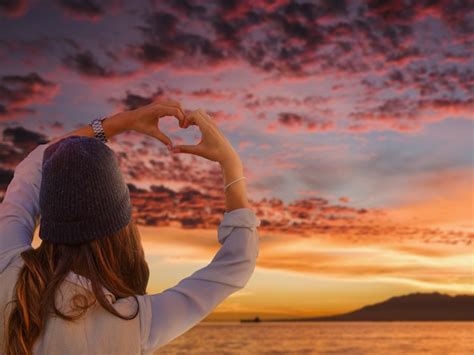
{"x": 191, "y": 149}
{"x": 162, "y": 137}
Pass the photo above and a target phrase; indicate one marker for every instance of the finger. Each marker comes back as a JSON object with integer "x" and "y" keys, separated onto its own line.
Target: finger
{"x": 208, "y": 118}
{"x": 189, "y": 121}
{"x": 173, "y": 111}
{"x": 188, "y": 118}
{"x": 198, "y": 119}
{"x": 200, "y": 122}
{"x": 172, "y": 103}
{"x": 169, "y": 102}
{"x": 205, "y": 117}
{"x": 203, "y": 113}
{"x": 190, "y": 149}
{"x": 162, "y": 137}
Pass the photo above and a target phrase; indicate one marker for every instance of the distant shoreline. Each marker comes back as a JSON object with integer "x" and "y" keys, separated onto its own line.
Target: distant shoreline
{"x": 334, "y": 321}
{"x": 356, "y": 320}
{"x": 415, "y": 307}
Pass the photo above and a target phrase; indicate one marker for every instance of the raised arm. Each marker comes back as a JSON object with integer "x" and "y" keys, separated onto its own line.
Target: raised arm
{"x": 20, "y": 206}
{"x": 166, "y": 315}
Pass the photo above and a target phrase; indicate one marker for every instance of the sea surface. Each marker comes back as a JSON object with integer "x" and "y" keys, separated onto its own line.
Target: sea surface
{"x": 353, "y": 338}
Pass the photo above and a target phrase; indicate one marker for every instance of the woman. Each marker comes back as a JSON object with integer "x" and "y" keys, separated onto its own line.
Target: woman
{"x": 82, "y": 291}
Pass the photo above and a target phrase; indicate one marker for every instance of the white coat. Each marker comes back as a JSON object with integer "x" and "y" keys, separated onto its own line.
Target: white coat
{"x": 162, "y": 317}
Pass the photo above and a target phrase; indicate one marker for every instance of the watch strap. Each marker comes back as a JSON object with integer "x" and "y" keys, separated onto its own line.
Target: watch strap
{"x": 98, "y": 129}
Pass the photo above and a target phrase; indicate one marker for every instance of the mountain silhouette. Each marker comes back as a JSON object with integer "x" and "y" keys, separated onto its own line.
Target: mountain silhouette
{"x": 412, "y": 307}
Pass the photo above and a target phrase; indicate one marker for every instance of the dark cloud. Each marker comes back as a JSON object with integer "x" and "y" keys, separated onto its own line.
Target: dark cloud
{"x": 405, "y": 113}
{"x": 18, "y": 92}
{"x": 159, "y": 45}
{"x": 166, "y": 192}
{"x": 427, "y": 91}
{"x": 292, "y": 119}
{"x": 213, "y": 94}
{"x": 13, "y": 8}
{"x": 189, "y": 8}
{"x": 150, "y": 52}
{"x": 392, "y": 11}
{"x": 457, "y": 14}
{"x": 161, "y": 24}
{"x": 32, "y": 51}
{"x": 404, "y": 55}
{"x": 313, "y": 103}
{"x": 286, "y": 38}
{"x": 23, "y": 138}
{"x": 164, "y": 41}
{"x": 19, "y": 88}
{"x": 10, "y": 156}
{"x": 452, "y": 104}
{"x": 6, "y": 176}
{"x": 16, "y": 144}
{"x": 10, "y": 112}
{"x": 84, "y": 9}
{"x": 290, "y": 38}
{"x": 132, "y": 101}
{"x": 85, "y": 63}
{"x": 133, "y": 189}
{"x": 392, "y": 109}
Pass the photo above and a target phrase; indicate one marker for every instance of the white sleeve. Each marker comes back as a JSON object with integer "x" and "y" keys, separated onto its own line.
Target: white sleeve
{"x": 166, "y": 315}
{"x": 19, "y": 210}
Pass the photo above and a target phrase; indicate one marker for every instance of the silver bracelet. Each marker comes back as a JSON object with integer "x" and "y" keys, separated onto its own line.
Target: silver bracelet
{"x": 98, "y": 129}
{"x": 230, "y": 183}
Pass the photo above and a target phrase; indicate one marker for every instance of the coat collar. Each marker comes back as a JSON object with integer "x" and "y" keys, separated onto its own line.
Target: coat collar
{"x": 87, "y": 284}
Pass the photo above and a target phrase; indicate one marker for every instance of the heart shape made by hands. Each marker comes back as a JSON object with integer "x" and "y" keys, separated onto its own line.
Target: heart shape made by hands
{"x": 170, "y": 127}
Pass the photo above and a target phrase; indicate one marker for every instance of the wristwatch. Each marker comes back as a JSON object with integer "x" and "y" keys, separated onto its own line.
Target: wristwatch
{"x": 98, "y": 129}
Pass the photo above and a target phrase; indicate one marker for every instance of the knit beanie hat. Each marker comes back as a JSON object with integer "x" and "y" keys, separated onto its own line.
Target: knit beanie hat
{"x": 83, "y": 195}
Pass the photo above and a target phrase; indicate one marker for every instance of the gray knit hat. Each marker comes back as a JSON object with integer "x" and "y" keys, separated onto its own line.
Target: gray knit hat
{"x": 83, "y": 195}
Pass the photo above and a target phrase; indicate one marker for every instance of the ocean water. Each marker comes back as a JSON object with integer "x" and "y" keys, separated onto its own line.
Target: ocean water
{"x": 352, "y": 338}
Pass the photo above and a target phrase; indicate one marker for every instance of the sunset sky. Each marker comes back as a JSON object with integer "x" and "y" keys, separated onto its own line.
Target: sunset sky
{"x": 354, "y": 121}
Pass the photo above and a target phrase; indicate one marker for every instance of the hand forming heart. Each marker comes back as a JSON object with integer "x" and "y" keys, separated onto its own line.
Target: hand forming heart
{"x": 145, "y": 119}
{"x": 213, "y": 145}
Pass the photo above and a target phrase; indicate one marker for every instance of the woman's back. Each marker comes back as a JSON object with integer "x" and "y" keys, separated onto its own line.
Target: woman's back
{"x": 162, "y": 317}
{"x": 97, "y": 332}
{"x": 109, "y": 252}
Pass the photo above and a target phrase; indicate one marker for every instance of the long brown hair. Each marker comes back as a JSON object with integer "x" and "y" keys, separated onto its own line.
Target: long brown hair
{"x": 116, "y": 262}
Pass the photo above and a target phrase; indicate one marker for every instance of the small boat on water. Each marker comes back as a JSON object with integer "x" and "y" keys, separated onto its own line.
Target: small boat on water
{"x": 255, "y": 320}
